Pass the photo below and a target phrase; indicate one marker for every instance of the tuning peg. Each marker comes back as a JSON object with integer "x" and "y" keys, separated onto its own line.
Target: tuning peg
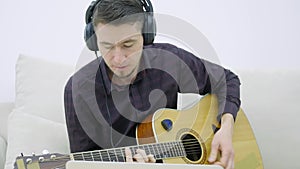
{"x": 41, "y": 159}
{"x": 52, "y": 157}
{"x": 33, "y": 153}
{"x": 45, "y": 152}
{"x": 28, "y": 160}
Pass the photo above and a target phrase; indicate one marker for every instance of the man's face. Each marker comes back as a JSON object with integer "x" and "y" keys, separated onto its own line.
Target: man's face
{"x": 121, "y": 48}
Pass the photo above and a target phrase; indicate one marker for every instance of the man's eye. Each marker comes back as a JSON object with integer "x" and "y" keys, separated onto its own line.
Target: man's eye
{"x": 128, "y": 45}
{"x": 107, "y": 46}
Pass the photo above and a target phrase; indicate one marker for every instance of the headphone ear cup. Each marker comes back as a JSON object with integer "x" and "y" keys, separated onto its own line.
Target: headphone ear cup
{"x": 90, "y": 37}
{"x": 149, "y": 29}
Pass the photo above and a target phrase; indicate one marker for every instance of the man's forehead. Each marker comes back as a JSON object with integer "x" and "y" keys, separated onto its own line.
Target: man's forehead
{"x": 115, "y": 33}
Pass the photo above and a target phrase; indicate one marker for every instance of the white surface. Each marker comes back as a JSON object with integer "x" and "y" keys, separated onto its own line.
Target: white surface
{"x": 270, "y": 99}
{"x": 28, "y": 133}
{"x": 187, "y": 100}
{"x": 121, "y": 165}
{"x": 37, "y": 120}
{"x": 5, "y": 109}
{"x": 2, "y": 152}
{"x": 245, "y": 34}
{"x": 39, "y": 87}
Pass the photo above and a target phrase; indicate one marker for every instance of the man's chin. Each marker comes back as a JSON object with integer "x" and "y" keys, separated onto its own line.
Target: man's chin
{"x": 122, "y": 75}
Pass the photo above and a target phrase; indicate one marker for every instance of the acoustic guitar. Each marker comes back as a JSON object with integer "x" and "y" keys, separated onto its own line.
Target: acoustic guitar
{"x": 172, "y": 136}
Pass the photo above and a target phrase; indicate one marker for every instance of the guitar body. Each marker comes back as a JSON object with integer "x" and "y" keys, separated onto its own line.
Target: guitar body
{"x": 199, "y": 124}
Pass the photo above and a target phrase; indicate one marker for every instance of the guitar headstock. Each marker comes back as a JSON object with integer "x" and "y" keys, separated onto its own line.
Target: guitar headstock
{"x": 45, "y": 161}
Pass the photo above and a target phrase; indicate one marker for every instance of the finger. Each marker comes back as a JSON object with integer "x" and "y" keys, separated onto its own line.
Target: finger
{"x": 143, "y": 155}
{"x": 139, "y": 158}
{"x": 151, "y": 158}
{"x": 214, "y": 152}
{"x": 128, "y": 155}
{"x": 230, "y": 164}
{"x": 227, "y": 157}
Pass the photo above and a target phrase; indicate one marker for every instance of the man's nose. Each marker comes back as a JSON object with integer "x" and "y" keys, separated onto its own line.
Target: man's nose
{"x": 119, "y": 55}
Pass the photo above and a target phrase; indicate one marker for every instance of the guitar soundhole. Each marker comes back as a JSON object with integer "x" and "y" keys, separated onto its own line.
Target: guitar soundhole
{"x": 192, "y": 147}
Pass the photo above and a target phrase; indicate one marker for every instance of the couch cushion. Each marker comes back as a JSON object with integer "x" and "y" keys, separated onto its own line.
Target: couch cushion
{"x": 5, "y": 110}
{"x": 2, "y": 152}
{"x": 28, "y": 133}
{"x": 40, "y": 86}
{"x": 270, "y": 100}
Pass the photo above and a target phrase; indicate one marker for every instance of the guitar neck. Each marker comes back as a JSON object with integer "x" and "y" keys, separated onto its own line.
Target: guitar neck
{"x": 158, "y": 150}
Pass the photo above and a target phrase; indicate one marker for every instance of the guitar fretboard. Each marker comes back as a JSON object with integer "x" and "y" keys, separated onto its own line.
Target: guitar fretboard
{"x": 158, "y": 150}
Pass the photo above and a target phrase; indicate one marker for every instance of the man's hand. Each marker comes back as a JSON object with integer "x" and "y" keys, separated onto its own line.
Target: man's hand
{"x": 222, "y": 142}
{"x": 140, "y": 156}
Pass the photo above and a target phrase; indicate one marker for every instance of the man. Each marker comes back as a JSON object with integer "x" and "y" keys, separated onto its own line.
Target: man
{"x": 107, "y": 98}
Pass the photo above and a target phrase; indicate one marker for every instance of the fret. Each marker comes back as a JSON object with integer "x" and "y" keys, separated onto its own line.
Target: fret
{"x": 153, "y": 150}
{"x": 112, "y": 155}
{"x": 159, "y": 150}
{"x": 176, "y": 149}
{"x": 179, "y": 151}
{"x": 165, "y": 155}
{"x": 96, "y": 156}
{"x": 148, "y": 149}
{"x": 87, "y": 156}
{"x": 175, "y": 152}
{"x": 140, "y": 147}
{"x": 166, "y": 151}
{"x": 156, "y": 154}
{"x": 120, "y": 155}
{"x": 91, "y": 153}
{"x": 133, "y": 150}
{"x": 105, "y": 155}
{"x": 182, "y": 150}
{"x": 78, "y": 156}
{"x": 170, "y": 150}
{"x": 145, "y": 149}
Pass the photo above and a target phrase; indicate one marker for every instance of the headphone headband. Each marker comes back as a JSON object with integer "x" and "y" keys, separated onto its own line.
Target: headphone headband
{"x": 149, "y": 28}
{"x": 90, "y": 11}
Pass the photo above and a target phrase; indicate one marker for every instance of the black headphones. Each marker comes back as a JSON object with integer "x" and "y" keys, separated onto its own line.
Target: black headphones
{"x": 149, "y": 28}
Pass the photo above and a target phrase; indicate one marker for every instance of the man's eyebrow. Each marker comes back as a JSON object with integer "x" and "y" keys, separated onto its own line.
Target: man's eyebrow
{"x": 105, "y": 43}
{"x": 131, "y": 39}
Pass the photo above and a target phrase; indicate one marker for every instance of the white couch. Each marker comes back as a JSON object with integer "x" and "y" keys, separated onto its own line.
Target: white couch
{"x": 35, "y": 121}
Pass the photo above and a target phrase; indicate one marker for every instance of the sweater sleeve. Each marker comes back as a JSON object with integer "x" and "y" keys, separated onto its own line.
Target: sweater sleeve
{"x": 78, "y": 139}
{"x": 214, "y": 79}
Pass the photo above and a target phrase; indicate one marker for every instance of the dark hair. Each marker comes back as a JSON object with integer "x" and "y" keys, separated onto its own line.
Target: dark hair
{"x": 108, "y": 11}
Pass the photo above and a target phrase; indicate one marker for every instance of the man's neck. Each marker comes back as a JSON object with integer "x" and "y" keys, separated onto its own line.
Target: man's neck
{"x": 122, "y": 81}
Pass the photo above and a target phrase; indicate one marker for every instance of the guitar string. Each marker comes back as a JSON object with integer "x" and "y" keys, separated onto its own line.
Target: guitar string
{"x": 189, "y": 147}
{"x": 119, "y": 153}
{"x": 188, "y": 150}
{"x": 168, "y": 146}
{"x": 158, "y": 147}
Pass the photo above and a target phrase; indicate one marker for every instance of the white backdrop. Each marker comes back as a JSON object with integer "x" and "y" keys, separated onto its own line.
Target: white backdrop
{"x": 252, "y": 34}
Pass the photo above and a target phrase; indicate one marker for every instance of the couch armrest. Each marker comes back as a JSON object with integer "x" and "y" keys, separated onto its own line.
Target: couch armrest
{"x": 5, "y": 109}
{"x": 3, "y": 146}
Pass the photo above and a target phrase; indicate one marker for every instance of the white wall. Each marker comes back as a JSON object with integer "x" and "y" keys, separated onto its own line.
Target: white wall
{"x": 245, "y": 33}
